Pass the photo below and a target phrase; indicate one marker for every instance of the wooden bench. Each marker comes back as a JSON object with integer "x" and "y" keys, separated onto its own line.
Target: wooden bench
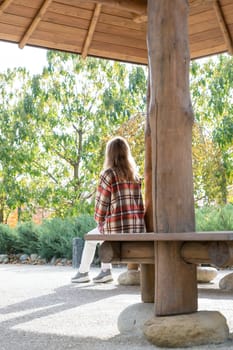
{"x": 160, "y": 279}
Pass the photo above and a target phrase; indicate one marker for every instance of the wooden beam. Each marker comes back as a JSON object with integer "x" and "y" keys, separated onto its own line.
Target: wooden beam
{"x": 91, "y": 30}
{"x": 219, "y": 254}
{"x": 4, "y": 5}
{"x": 135, "y": 6}
{"x": 223, "y": 26}
{"x": 124, "y": 252}
{"x": 174, "y": 236}
{"x": 34, "y": 23}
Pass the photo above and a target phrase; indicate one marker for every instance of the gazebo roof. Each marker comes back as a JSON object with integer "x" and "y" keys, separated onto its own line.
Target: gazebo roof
{"x": 112, "y": 29}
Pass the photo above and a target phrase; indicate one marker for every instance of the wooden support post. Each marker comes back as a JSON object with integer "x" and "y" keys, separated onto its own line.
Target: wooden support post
{"x": 171, "y": 120}
{"x": 176, "y": 284}
{"x": 147, "y": 282}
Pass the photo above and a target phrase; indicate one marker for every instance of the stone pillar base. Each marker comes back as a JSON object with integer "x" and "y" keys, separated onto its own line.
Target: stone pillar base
{"x": 199, "y": 328}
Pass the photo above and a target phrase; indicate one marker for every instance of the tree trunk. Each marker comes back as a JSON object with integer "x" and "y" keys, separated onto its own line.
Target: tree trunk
{"x": 1, "y": 216}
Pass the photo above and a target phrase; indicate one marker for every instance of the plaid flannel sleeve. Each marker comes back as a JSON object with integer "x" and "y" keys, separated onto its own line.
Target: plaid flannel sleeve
{"x": 103, "y": 198}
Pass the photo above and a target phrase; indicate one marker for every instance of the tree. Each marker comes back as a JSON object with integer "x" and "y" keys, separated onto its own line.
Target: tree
{"x": 77, "y": 106}
{"x": 212, "y": 91}
{"x": 17, "y": 142}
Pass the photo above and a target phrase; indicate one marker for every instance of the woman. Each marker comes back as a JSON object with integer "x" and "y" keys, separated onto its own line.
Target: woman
{"x": 118, "y": 206}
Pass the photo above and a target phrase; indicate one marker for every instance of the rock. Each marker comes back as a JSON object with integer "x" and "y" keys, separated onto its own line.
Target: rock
{"x": 6, "y": 260}
{"x": 129, "y": 278}
{"x": 42, "y": 261}
{"x": 53, "y": 260}
{"x": 33, "y": 257}
{"x": 226, "y": 282}
{"x": 132, "y": 319}
{"x": 200, "y": 328}
{"x": 23, "y": 258}
{"x": 206, "y": 274}
{"x": 3, "y": 258}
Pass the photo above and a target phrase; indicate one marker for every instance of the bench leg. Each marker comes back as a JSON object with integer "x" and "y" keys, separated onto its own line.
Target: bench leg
{"x": 147, "y": 276}
{"x": 175, "y": 281}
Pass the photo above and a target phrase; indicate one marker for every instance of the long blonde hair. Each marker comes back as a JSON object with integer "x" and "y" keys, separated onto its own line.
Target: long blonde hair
{"x": 118, "y": 157}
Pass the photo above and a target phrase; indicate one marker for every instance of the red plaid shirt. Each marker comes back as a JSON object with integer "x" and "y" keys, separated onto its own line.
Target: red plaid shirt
{"x": 119, "y": 205}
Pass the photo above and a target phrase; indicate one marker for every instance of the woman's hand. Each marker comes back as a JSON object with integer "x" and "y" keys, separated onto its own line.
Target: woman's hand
{"x": 101, "y": 227}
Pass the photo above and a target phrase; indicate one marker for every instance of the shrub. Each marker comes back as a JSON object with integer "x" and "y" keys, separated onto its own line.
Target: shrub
{"x": 84, "y": 224}
{"x": 57, "y": 235}
{"x": 215, "y": 218}
{"x": 28, "y": 238}
{"x": 8, "y": 239}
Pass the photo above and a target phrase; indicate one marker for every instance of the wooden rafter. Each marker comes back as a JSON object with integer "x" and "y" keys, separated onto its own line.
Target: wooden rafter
{"x": 223, "y": 26}
{"x": 34, "y": 23}
{"x": 91, "y": 30}
{"x": 135, "y": 6}
{"x": 4, "y": 5}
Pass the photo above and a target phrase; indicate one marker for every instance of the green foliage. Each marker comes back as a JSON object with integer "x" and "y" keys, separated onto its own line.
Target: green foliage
{"x": 54, "y": 130}
{"x": 83, "y": 224}
{"x": 17, "y": 142}
{"x": 57, "y": 235}
{"x": 7, "y": 240}
{"x": 212, "y": 91}
{"x": 215, "y": 218}
{"x": 54, "y": 237}
{"x": 77, "y": 106}
{"x": 28, "y": 238}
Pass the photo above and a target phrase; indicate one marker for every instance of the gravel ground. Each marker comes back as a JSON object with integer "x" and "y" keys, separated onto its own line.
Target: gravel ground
{"x": 41, "y": 309}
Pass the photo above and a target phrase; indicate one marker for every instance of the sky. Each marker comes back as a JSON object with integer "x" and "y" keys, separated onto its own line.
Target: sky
{"x": 34, "y": 59}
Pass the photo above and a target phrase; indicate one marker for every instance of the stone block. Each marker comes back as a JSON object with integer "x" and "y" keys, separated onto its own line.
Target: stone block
{"x": 199, "y": 328}
{"x": 129, "y": 278}
{"x": 226, "y": 282}
{"x": 206, "y": 274}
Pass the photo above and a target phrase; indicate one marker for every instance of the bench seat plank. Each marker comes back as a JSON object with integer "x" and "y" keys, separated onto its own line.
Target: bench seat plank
{"x": 152, "y": 236}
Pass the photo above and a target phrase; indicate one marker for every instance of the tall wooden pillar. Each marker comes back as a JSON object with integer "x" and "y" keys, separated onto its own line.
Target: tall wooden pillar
{"x": 148, "y": 270}
{"x": 171, "y": 119}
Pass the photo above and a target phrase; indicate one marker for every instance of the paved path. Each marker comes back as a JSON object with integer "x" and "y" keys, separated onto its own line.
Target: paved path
{"x": 41, "y": 309}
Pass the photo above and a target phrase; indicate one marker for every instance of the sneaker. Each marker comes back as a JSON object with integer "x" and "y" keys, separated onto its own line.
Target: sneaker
{"x": 80, "y": 277}
{"x": 103, "y": 276}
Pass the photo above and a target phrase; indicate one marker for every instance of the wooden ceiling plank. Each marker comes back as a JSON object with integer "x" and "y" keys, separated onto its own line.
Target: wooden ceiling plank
{"x": 129, "y": 43}
{"x": 223, "y": 26}
{"x": 91, "y": 30}
{"x": 139, "y": 7}
{"x": 200, "y": 2}
{"x": 4, "y": 6}
{"x": 34, "y": 23}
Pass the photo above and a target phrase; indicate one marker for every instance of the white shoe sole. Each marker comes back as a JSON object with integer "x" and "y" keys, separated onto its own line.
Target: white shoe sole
{"x": 103, "y": 280}
{"x": 80, "y": 280}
